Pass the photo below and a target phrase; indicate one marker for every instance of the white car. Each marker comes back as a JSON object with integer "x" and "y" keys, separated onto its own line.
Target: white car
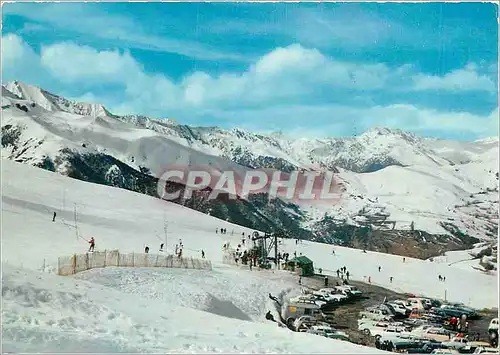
{"x": 370, "y": 328}
{"x": 328, "y": 332}
{"x": 485, "y": 350}
{"x": 307, "y": 299}
{"x": 333, "y": 295}
{"x": 400, "y": 309}
{"x": 390, "y": 331}
{"x": 376, "y": 314}
{"x": 444, "y": 351}
{"x": 353, "y": 290}
{"x": 456, "y": 343}
{"x": 493, "y": 324}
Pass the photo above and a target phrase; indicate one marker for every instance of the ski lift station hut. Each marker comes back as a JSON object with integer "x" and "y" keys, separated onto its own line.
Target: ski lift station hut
{"x": 304, "y": 263}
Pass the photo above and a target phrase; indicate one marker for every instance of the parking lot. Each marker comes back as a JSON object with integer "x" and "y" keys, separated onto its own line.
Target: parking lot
{"x": 345, "y": 317}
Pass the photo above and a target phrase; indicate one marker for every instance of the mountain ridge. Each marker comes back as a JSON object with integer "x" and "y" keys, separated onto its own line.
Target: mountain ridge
{"x": 87, "y": 140}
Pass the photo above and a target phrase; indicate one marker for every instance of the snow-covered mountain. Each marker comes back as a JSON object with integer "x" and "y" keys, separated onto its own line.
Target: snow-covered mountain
{"x": 394, "y": 183}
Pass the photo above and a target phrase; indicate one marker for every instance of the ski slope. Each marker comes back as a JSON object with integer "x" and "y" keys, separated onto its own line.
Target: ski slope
{"x": 162, "y": 310}
{"x": 128, "y": 310}
{"x": 434, "y": 178}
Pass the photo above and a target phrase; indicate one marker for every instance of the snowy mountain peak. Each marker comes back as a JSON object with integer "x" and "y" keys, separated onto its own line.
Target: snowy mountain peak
{"x": 51, "y": 102}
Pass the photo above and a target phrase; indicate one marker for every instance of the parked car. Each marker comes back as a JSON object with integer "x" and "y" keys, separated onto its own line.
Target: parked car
{"x": 328, "y": 332}
{"x": 371, "y": 328}
{"x": 344, "y": 290}
{"x": 493, "y": 332}
{"x": 444, "y": 351}
{"x": 294, "y": 309}
{"x": 432, "y": 333}
{"x": 416, "y": 303}
{"x": 456, "y": 343}
{"x": 353, "y": 290}
{"x": 457, "y": 311}
{"x": 331, "y": 293}
{"x": 308, "y": 299}
{"x": 376, "y": 314}
{"x": 401, "y": 310}
{"x": 485, "y": 350}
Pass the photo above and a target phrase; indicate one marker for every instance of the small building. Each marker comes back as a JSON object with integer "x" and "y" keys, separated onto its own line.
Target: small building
{"x": 304, "y": 263}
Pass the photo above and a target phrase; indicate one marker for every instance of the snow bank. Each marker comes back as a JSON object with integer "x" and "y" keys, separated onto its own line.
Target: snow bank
{"x": 47, "y": 313}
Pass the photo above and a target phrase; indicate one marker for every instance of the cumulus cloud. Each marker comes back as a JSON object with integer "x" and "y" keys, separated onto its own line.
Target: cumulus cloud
{"x": 467, "y": 78}
{"x": 281, "y": 89}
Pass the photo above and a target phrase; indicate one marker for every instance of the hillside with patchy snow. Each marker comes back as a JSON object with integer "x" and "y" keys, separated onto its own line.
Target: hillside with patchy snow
{"x": 434, "y": 194}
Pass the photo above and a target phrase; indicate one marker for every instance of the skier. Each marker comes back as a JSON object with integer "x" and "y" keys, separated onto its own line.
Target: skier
{"x": 338, "y": 273}
{"x": 369, "y": 279}
{"x": 404, "y": 259}
{"x": 390, "y": 279}
{"x": 92, "y": 244}
{"x": 146, "y": 249}
{"x": 202, "y": 254}
{"x": 216, "y": 230}
{"x": 54, "y": 217}
{"x": 347, "y": 274}
{"x": 333, "y": 251}
{"x": 379, "y": 269}
{"x": 161, "y": 247}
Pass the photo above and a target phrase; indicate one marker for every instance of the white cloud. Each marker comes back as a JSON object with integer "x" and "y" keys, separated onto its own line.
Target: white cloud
{"x": 464, "y": 79}
{"x": 122, "y": 30}
{"x": 19, "y": 60}
{"x": 274, "y": 92}
{"x": 71, "y": 63}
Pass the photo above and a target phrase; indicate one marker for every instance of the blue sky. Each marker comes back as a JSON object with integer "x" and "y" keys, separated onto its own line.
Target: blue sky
{"x": 307, "y": 69}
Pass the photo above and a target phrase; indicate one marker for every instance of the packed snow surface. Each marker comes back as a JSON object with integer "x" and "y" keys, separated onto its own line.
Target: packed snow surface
{"x": 47, "y": 313}
{"x": 124, "y": 309}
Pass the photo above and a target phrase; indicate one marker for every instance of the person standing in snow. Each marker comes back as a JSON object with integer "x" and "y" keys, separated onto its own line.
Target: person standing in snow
{"x": 161, "y": 247}
{"x": 390, "y": 279}
{"x": 54, "y": 217}
{"x": 92, "y": 244}
{"x": 347, "y": 274}
{"x": 379, "y": 268}
{"x": 146, "y": 249}
{"x": 202, "y": 254}
{"x": 216, "y": 230}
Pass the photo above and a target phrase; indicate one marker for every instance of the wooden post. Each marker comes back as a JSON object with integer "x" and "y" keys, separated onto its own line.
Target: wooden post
{"x": 73, "y": 263}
